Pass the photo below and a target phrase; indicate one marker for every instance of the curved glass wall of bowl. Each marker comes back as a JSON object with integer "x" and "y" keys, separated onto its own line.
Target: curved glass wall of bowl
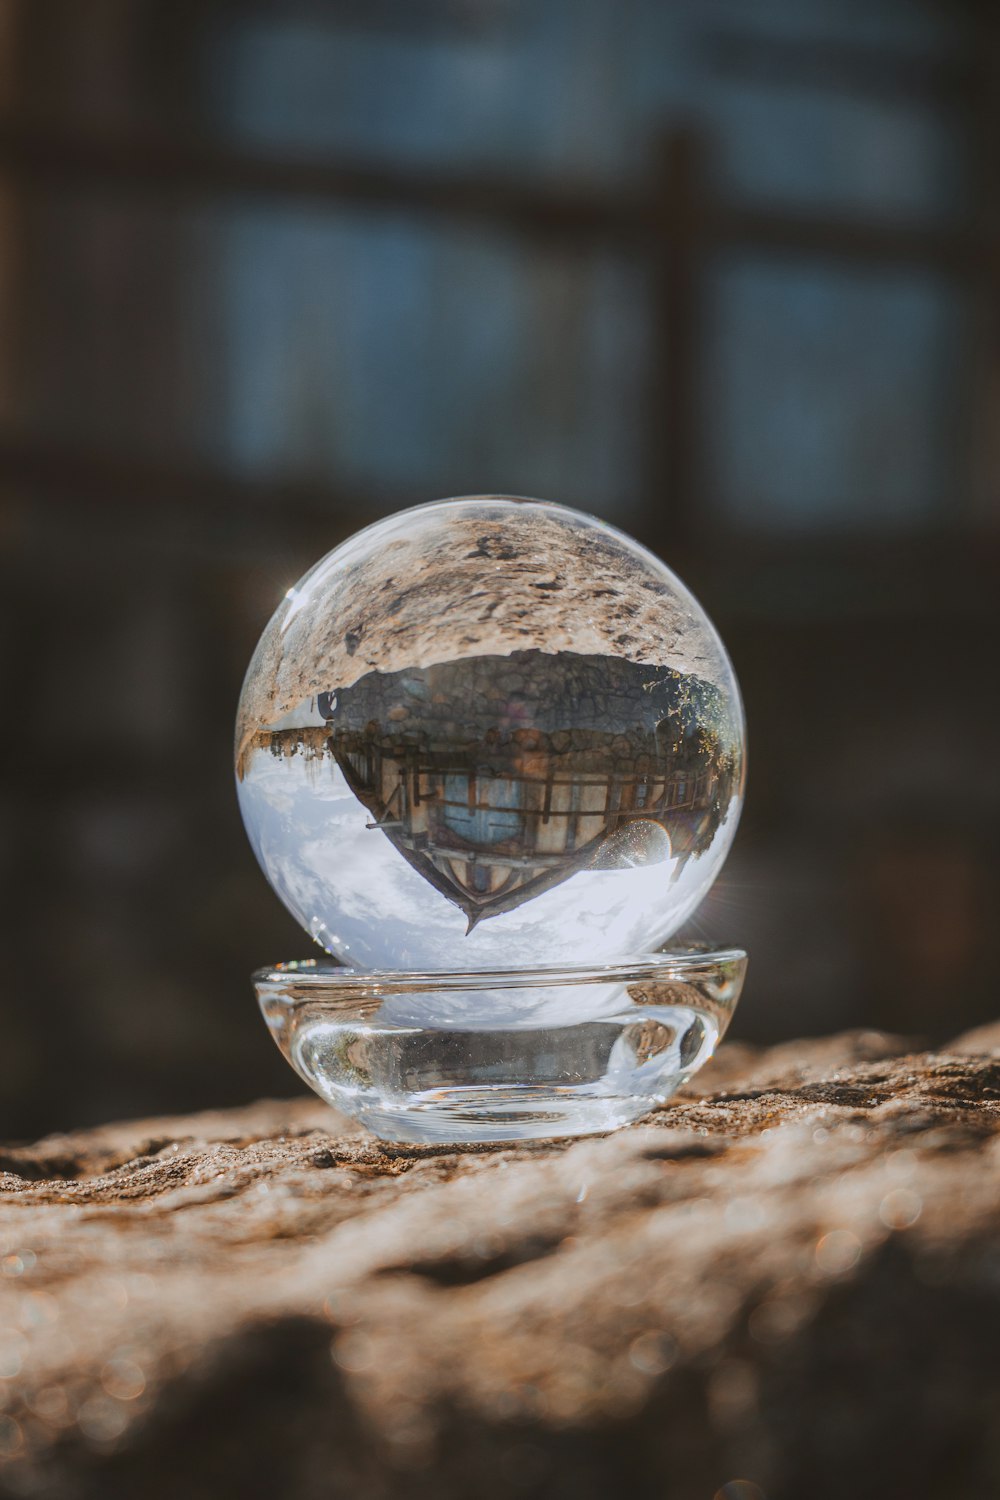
{"x": 508, "y": 1057}
{"x": 487, "y": 733}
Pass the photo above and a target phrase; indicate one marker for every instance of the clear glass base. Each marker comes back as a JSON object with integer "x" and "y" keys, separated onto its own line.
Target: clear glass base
{"x": 502, "y": 1056}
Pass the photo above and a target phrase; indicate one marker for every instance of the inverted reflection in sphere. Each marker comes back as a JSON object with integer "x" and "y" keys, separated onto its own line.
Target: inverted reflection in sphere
{"x": 490, "y": 733}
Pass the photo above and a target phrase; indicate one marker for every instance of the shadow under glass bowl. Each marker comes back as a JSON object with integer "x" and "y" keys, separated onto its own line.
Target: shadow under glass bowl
{"x": 507, "y": 1055}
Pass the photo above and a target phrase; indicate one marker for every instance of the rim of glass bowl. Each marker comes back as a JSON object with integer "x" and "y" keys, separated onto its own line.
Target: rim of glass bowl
{"x": 328, "y": 974}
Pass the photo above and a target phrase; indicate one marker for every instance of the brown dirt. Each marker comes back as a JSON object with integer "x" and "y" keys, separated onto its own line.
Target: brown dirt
{"x": 788, "y": 1277}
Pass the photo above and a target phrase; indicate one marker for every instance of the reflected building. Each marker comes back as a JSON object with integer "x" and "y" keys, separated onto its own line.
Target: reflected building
{"x": 498, "y": 777}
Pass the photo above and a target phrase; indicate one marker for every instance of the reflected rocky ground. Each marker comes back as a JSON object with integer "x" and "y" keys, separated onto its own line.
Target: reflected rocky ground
{"x": 498, "y": 778}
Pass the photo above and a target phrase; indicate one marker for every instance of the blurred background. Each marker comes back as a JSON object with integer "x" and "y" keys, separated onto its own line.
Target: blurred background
{"x": 725, "y": 273}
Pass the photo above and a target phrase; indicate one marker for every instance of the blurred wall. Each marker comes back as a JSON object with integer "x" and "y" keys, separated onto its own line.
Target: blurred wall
{"x": 725, "y": 274}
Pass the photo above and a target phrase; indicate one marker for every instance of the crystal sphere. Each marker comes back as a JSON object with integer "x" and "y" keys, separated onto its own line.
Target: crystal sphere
{"x": 490, "y": 733}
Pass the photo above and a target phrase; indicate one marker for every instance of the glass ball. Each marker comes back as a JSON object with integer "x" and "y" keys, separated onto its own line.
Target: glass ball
{"x": 490, "y": 733}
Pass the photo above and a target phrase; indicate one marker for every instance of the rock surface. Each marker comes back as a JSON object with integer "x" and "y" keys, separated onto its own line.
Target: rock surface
{"x": 784, "y": 1284}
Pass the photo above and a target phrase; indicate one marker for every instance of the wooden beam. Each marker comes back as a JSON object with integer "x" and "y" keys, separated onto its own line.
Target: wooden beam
{"x": 672, "y": 489}
{"x": 171, "y": 168}
{"x": 104, "y": 482}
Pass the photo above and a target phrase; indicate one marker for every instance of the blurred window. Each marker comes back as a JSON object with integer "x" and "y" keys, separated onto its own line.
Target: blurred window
{"x": 831, "y": 396}
{"x": 429, "y": 360}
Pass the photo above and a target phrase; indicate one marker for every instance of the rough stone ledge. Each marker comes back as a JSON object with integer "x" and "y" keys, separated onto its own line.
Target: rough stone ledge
{"x": 788, "y": 1277}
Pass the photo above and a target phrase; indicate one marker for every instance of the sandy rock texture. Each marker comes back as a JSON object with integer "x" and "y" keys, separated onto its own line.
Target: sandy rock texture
{"x": 785, "y": 1284}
